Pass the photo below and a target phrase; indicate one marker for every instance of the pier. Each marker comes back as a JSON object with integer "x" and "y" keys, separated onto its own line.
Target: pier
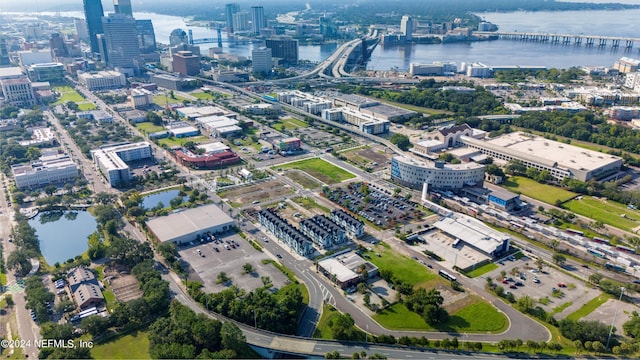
{"x": 565, "y": 39}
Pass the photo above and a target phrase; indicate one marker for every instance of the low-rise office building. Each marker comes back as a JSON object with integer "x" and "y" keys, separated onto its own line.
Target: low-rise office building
{"x": 365, "y": 122}
{"x": 286, "y": 232}
{"x": 559, "y": 159}
{"x": 84, "y": 287}
{"x": 141, "y": 98}
{"x": 53, "y": 169}
{"x": 112, "y": 161}
{"x": 53, "y": 72}
{"x": 102, "y": 80}
{"x": 40, "y": 137}
{"x": 474, "y": 233}
{"x": 216, "y": 155}
{"x": 287, "y": 145}
{"x": 373, "y": 107}
{"x": 96, "y": 115}
{"x": 437, "y": 175}
{"x": 186, "y": 225}
{"x": 346, "y": 269}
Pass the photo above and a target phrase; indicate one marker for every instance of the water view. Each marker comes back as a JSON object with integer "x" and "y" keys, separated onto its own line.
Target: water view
{"x": 63, "y": 234}
{"x": 164, "y": 197}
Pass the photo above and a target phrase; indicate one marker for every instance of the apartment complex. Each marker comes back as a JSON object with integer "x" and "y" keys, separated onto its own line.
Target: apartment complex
{"x": 437, "y": 175}
{"x": 286, "y": 232}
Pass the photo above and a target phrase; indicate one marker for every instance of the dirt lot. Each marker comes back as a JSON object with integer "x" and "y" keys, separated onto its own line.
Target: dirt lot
{"x": 206, "y": 268}
{"x": 368, "y": 156}
{"x": 247, "y": 194}
{"x": 125, "y": 287}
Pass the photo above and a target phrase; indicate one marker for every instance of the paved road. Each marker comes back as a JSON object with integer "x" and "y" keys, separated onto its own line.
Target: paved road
{"x": 27, "y": 329}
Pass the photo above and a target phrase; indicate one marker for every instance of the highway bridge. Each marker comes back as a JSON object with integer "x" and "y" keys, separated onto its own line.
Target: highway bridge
{"x": 565, "y": 39}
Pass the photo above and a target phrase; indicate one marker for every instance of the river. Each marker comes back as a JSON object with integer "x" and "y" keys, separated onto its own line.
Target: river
{"x": 499, "y": 52}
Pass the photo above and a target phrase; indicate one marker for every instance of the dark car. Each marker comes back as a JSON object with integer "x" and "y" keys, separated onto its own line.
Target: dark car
{"x": 519, "y": 283}
{"x": 279, "y": 256}
{"x": 513, "y": 287}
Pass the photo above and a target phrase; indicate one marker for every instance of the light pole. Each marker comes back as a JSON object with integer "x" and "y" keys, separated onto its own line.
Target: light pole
{"x": 615, "y": 314}
{"x": 255, "y": 321}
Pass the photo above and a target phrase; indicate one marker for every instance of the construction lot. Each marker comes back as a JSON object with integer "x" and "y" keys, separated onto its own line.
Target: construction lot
{"x": 244, "y": 195}
{"x": 124, "y": 286}
{"x": 371, "y": 157}
{"x": 206, "y": 265}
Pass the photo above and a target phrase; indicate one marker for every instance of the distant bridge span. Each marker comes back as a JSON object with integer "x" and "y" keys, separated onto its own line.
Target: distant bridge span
{"x": 577, "y": 39}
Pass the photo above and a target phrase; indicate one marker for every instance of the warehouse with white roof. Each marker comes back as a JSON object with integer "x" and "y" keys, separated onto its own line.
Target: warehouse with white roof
{"x": 184, "y": 226}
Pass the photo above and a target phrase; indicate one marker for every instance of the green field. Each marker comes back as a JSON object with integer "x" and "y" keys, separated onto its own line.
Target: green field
{"x": 607, "y": 211}
{"x": 321, "y": 170}
{"x": 289, "y": 124}
{"x": 420, "y": 109}
{"x": 133, "y": 346}
{"x": 171, "y": 142}
{"x": 67, "y": 93}
{"x": 87, "y": 106}
{"x": 482, "y": 270}
{"x": 203, "y": 96}
{"x": 478, "y": 316}
{"x": 148, "y": 127}
{"x": 589, "y": 307}
{"x": 161, "y": 100}
{"x": 403, "y": 268}
{"x": 323, "y": 331}
{"x": 546, "y": 193}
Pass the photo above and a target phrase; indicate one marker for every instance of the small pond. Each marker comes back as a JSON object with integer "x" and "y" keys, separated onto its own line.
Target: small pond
{"x": 63, "y": 234}
{"x": 164, "y": 197}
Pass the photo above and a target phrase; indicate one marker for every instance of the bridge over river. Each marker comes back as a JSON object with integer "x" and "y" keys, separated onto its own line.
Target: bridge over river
{"x": 565, "y": 39}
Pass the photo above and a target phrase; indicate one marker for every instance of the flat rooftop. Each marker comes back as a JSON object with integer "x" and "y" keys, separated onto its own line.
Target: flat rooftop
{"x": 214, "y": 147}
{"x": 567, "y": 156}
{"x": 388, "y": 110}
{"x": 472, "y": 232}
{"x": 12, "y": 71}
{"x": 356, "y": 99}
{"x": 188, "y": 221}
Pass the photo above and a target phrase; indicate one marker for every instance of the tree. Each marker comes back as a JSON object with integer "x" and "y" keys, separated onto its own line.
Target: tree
{"x": 401, "y": 141}
{"x": 50, "y": 189}
{"x": 247, "y": 268}
{"x": 525, "y": 303}
{"x": 632, "y": 327}
{"x": 539, "y": 263}
{"x": 559, "y": 259}
{"x": 19, "y": 261}
{"x": 222, "y": 278}
{"x": 578, "y": 345}
{"x": 232, "y": 337}
{"x": 597, "y": 347}
{"x": 95, "y": 325}
{"x": 97, "y": 248}
{"x": 554, "y": 244}
{"x": 153, "y": 118}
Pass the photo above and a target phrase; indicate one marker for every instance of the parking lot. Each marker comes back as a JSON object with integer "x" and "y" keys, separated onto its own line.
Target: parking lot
{"x": 206, "y": 263}
{"x": 555, "y": 291}
{"x": 378, "y": 207}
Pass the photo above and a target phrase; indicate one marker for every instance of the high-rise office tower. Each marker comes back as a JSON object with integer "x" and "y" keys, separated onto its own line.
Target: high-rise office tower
{"x": 258, "y": 21}
{"x": 328, "y": 28}
{"x": 229, "y": 11}
{"x": 123, "y": 7}
{"x": 4, "y": 52}
{"x": 146, "y": 36}
{"x": 284, "y": 48}
{"x": 406, "y": 27}
{"x": 81, "y": 28}
{"x": 261, "y": 60}
{"x": 122, "y": 41}
{"x": 58, "y": 46}
{"x": 93, "y": 14}
{"x": 177, "y": 37}
{"x": 241, "y": 21}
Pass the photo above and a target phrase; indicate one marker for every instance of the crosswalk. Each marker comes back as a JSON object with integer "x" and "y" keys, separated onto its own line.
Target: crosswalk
{"x": 13, "y": 288}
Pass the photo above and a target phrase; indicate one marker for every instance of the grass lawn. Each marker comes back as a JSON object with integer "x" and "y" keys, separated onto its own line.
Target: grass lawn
{"x": 86, "y": 106}
{"x": 171, "y": 142}
{"x": 132, "y": 346}
{"x": 403, "y": 268}
{"x": 308, "y": 203}
{"x": 607, "y": 211}
{"x": 67, "y": 93}
{"x": 397, "y": 316}
{"x": 323, "y": 331}
{"x": 302, "y": 179}
{"x": 110, "y": 298}
{"x": 547, "y": 193}
{"x": 589, "y": 307}
{"x": 148, "y": 127}
{"x": 482, "y": 270}
{"x": 478, "y": 316}
{"x": 414, "y": 108}
{"x": 203, "y": 96}
{"x": 289, "y": 124}
{"x": 321, "y": 170}
{"x": 560, "y": 308}
{"x": 161, "y": 100}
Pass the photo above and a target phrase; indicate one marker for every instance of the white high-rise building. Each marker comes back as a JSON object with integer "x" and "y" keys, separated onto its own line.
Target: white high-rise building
{"x": 241, "y": 21}
{"x": 49, "y": 169}
{"x": 261, "y": 59}
{"x": 406, "y": 27}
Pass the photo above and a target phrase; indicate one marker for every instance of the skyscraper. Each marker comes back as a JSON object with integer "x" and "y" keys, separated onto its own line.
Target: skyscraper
{"x": 146, "y": 36}
{"x": 4, "y": 52}
{"x": 285, "y": 48}
{"x": 81, "y": 28}
{"x": 241, "y": 21}
{"x": 93, "y": 14}
{"x": 261, "y": 60}
{"x": 229, "y": 10}
{"x": 122, "y": 41}
{"x": 258, "y": 21}
{"x": 123, "y": 7}
{"x": 406, "y": 27}
{"x": 58, "y": 46}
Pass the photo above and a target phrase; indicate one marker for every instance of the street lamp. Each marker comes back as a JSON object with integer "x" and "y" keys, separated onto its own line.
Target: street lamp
{"x": 615, "y": 314}
{"x": 255, "y": 321}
